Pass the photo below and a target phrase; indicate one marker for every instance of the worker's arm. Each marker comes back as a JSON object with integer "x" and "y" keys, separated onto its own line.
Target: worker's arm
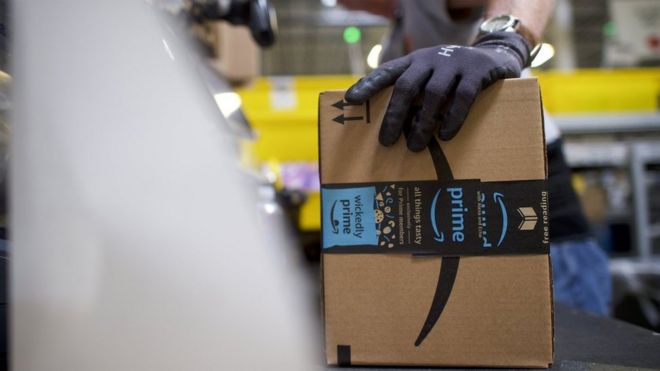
{"x": 385, "y": 8}
{"x": 450, "y": 77}
{"x": 533, "y": 14}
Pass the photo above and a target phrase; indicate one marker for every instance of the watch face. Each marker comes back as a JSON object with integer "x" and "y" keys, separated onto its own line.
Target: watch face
{"x": 499, "y": 23}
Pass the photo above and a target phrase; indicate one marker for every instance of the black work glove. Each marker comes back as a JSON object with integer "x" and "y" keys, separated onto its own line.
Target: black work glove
{"x": 450, "y": 77}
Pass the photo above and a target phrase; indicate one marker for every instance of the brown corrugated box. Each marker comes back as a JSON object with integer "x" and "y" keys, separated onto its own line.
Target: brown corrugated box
{"x": 231, "y": 49}
{"x": 499, "y": 308}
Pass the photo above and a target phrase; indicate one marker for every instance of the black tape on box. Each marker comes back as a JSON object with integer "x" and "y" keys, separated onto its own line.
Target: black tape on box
{"x": 447, "y": 218}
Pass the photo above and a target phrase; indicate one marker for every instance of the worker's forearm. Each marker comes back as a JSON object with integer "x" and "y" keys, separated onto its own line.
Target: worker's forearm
{"x": 534, "y": 14}
{"x": 384, "y": 8}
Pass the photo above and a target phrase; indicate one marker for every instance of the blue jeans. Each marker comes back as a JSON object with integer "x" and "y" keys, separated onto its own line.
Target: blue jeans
{"x": 581, "y": 275}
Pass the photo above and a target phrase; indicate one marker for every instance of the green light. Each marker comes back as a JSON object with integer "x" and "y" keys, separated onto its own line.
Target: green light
{"x": 352, "y": 35}
{"x": 609, "y": 29}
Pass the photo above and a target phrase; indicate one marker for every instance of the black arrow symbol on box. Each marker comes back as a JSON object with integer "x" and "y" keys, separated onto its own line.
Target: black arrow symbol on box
{"x": 342, "y": 119}
{"x": 341, "y": 104}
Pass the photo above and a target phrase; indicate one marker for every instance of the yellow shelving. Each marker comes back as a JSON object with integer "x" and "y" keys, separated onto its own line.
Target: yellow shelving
{"x": 283, "y": 111}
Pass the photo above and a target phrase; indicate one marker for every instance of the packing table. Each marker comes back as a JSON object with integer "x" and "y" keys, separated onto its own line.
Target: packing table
{"x": 588, "y": 342}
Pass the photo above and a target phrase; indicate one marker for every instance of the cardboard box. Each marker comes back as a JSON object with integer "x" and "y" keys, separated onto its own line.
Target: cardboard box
{"x": 437, "y": 258}
{"x": 231, "y": 49}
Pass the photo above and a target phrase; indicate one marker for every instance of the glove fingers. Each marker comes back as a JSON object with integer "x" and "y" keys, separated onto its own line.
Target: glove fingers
{"x": 376, "y": 81}
{"x": 435, "y": 97}
{"x": 463, "y": 98}
{"x": 406, "y": 88}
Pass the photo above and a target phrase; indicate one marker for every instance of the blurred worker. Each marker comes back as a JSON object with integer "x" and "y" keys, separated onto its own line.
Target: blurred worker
{"x": 447, "y": 51}
{"x": 136, "y": 241}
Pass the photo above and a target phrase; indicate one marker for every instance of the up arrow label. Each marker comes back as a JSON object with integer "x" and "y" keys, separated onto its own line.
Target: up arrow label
{"x": 342, "y": 119}
{"x": 340, "y": 104}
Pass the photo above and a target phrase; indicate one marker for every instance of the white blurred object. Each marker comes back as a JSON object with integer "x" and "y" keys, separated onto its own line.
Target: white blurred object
{"x": 135, "y": 242}
{"x": 228, "y": 102}
{"x": 374, "y": 56}
{"x": 546, "y": 52}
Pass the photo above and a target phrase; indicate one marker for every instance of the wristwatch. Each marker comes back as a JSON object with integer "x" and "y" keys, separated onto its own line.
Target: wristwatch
{"x": 509, "y": 23}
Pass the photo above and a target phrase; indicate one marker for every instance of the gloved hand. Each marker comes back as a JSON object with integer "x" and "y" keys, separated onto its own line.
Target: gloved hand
{"x": 449, "y": 76}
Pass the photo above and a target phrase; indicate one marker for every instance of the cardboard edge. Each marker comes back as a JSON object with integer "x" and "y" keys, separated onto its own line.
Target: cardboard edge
{"x": 545, "y": 149}
{"x": 323, "y": 320}
{"x": 321, "y": 263}
{"x": 545, "y": 164}
{"x": 536, "y": 365}
{"x": 552, "y": 312}
{"x": 326, "y": 353}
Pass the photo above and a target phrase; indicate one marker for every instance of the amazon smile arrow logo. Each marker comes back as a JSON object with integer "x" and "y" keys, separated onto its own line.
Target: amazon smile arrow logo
{"x": 437, "y": 235}
{"x": 449, "y": 264}
{"x": 334, "y": 221}
{"x": 499, "y": 199}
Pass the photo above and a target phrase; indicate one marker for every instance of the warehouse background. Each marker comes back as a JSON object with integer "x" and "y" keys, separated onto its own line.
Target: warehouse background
{"x": 599, "y": 72}
{"x": 600, "y": 83}
{"x": 310, "y": 36}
